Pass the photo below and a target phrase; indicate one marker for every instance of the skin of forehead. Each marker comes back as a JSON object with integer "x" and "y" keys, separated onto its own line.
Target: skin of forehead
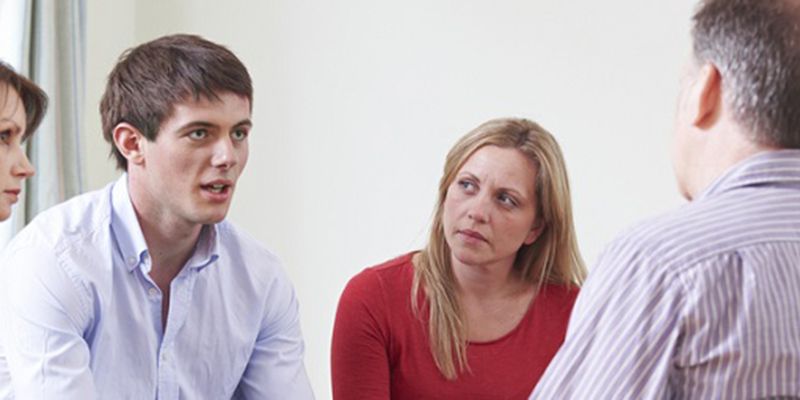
{"x": 6, "y": 94}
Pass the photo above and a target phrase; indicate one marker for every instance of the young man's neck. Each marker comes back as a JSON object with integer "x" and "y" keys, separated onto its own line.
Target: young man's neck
{"x": 170, "y": 239}
{"x": 169, "y": 245}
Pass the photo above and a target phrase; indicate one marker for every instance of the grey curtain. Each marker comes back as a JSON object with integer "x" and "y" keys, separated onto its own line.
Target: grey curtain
{"x": 46, "y": 43}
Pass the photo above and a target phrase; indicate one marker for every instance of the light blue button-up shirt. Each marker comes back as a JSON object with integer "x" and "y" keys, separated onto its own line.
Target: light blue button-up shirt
{"x": 80, "y": 317}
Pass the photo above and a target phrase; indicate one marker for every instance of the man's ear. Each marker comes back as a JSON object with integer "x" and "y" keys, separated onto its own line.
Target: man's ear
{"x": 706, "y": 94}
{"x": 130, "y": 142}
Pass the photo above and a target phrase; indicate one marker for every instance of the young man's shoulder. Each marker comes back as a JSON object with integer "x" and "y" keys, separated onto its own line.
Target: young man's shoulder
{"x": 59, "y": 250}
{"x": 234, "y": 239}
{"x": 75, "y": 222}
{"x": 247, "y": 257}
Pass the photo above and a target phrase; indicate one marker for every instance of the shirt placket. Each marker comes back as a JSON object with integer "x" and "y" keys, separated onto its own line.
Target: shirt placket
{"x": 181, "y": 293}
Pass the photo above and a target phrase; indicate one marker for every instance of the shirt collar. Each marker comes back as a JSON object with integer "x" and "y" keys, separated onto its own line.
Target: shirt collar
{"x": 770, "y": 167}
{"x": 128, "y": 232}
{"x": 125, "y": 225}
{"x": 206, "y": 251}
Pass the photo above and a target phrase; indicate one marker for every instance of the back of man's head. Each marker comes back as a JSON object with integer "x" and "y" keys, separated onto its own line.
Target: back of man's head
{"x": 755, "y": 44}
{"x": 150, "y": 79}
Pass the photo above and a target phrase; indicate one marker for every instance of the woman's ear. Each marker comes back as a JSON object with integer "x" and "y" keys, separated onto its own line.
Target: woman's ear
{"x": 535, "y": 232}
{"x": 129, "y": 142}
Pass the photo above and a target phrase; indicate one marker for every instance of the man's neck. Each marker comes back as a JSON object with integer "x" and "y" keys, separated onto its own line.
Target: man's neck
{"x": 170, "y": 246}
{"x": 170, "y": 239}
{"x": 170, "y": 242}
{"x": 720, "y": 156}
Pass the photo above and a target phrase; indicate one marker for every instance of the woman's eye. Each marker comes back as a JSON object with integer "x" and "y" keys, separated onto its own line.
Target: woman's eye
{"x": 198, "y": 134}
{"x": 5, "y": 136}
{"x": 507, "y": 200}
{"x": 239, "y": 135}
{"x": 466, "y": 185}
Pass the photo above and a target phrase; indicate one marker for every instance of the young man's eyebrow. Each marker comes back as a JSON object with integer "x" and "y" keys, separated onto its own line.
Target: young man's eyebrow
{"x": 206, "y": 124}
{"x": 196, "y": 124}
{"x": 244, "y": 122}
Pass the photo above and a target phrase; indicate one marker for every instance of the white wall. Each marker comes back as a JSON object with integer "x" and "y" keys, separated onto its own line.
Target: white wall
{"x": 357, "y": 103}
{"x": 110, "y": 29}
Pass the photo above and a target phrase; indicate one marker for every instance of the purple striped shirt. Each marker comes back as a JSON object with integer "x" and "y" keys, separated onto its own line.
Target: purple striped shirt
{"x": 700, "y": 303}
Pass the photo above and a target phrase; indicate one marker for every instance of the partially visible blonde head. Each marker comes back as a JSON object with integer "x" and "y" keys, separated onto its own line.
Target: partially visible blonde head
{"x": 552, "y": 258}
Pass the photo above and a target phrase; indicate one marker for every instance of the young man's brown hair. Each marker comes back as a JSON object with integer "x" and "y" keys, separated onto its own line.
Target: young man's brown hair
{"x": 151, "y": 78}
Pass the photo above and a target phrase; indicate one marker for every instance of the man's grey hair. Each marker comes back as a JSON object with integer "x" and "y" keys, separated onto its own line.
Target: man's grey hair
{"x": 755, "y": 44}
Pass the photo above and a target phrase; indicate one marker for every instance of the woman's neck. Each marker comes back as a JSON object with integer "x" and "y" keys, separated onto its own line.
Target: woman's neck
{"x": 489, "y": 281}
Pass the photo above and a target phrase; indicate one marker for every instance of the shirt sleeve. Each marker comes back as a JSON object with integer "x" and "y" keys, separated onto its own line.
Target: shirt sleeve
{"x": 622, "y": 335}
{"x": 276, "y": 369}
{"x": 359, "y": 352}
{"x": 44, "y": 314}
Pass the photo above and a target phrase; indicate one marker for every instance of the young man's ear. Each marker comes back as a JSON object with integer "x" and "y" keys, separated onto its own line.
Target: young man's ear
{"x": 130, "y": 142}
{"x": 706, "y": 96}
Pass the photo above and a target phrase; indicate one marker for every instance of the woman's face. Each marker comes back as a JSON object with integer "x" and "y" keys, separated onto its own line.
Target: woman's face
{"x": 490, "y": 207}
{"x": 14, "y": 165}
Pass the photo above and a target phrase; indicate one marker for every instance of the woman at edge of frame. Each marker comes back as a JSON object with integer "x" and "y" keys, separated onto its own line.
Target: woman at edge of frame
{"x": 22, "y": 107}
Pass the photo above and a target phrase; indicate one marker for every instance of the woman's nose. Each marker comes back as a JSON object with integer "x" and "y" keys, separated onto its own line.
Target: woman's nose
{"x": 479, "y": 209}
{"x": 22, "y": 168}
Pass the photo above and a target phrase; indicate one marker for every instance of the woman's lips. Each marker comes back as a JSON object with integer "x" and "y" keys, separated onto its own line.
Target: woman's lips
{"x": 472, "y": 234}
{"x": 13, "y": 193}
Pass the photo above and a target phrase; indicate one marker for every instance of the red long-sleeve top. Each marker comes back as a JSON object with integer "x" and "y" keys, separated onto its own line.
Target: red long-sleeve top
{"x": 381, "y": 349}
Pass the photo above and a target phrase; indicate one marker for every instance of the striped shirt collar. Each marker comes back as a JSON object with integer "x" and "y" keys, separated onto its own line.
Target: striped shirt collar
{"x": 768, "y": 167}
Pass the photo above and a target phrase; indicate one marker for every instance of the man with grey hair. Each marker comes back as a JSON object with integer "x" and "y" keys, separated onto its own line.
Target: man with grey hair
{"x": 704, "y": 302}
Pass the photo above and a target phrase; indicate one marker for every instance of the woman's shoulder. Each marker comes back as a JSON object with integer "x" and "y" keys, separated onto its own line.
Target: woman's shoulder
{"x": 394, "y": 270}
{"x": 559, "y": 295}
{"x": 387, "y": 277}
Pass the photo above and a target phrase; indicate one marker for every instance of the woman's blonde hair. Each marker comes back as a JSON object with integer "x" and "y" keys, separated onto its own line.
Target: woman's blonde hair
{"x": 552, "y": 258}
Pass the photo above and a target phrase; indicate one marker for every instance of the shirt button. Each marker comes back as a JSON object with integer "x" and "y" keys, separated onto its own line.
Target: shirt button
{"x": 153, "y": 292}
{"x": 131, "y": 261}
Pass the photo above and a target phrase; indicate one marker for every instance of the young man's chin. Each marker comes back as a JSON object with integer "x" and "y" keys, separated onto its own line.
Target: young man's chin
{"x": 214, "y": 218}
{"x": 210, "y": 216}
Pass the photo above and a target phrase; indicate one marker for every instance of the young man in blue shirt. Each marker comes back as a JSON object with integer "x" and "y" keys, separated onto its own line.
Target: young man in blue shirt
{"x": 142, "y": 289}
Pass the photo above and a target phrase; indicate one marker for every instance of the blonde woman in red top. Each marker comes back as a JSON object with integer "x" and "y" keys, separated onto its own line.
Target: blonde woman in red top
{"x": 480, "y": 311}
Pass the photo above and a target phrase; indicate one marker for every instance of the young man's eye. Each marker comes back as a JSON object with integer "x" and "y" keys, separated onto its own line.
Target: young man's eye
{"x": 198, "y": 134}
{"x": 239, "y": 134}
{"x": 5, "y": 136}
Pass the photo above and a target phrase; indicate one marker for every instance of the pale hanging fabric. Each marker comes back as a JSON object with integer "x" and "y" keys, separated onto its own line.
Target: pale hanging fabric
{"x": 44, "y": 40}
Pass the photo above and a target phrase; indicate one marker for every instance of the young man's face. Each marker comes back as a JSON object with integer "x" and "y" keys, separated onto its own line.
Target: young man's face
{"x": 188, "y": 174}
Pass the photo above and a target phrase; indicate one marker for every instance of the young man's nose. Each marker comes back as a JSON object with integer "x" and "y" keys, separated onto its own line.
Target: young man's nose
{"x": 225, "y": 155}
